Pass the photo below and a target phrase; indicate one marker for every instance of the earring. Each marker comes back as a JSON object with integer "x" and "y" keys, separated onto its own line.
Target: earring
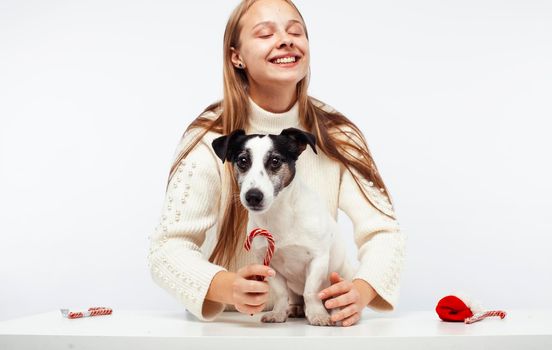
{"x": 240, "y": 65}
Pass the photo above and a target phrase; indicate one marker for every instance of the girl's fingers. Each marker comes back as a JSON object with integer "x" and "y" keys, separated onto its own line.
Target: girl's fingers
{"x": 345, "y": 313}
{"x": 336, "y": 289}
{"x": 342, "y": 300}
{"x": 255, "y": 299}
{"x": 349, "y": 321}
{"x": 250, "y": 309}
{"x": 255, "y": 286}
{"x": 334, "y": 277}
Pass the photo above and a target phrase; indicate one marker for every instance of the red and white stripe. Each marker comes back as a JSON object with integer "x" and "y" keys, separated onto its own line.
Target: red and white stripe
{"x": 93, "y": 311}
{"x": 270, "y": 250}
{"x": 478, "y": 312}
{"x": 482, "y": 315}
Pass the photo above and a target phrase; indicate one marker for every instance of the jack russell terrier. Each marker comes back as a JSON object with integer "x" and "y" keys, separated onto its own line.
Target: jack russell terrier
{"x": 307, "y": 238}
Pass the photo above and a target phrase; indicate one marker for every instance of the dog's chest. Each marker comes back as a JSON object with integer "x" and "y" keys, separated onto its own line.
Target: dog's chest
{"x": 291, "y": 261}
{"x": 296, "y": 239}
{"x": 294, "y": 250}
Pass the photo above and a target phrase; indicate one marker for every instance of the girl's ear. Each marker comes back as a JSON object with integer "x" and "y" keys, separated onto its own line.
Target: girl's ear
{"x": 223, "y": 145}
{"x": 235, "y": 56}
{"x": 301, "y": 138}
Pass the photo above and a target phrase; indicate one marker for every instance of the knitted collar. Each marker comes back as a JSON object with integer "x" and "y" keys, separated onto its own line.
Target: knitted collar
{"x": 262, "y": 121}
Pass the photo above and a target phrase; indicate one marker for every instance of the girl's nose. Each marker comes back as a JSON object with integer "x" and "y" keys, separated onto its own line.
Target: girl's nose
{"x": 285, "y": 39}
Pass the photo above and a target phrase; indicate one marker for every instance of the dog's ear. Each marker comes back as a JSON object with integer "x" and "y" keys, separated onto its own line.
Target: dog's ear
{"x": 301, "y": 139}
{"x": 223, "y": 145}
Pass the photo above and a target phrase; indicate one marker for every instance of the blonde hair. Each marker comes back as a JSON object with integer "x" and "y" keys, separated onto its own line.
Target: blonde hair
{"x": 351, "y": 150}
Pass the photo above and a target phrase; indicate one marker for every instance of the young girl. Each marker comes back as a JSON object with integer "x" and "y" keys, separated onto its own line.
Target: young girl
{"x": 197, "y": 250}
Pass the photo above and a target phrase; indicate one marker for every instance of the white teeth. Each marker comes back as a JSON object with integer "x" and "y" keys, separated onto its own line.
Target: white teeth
{"x": 285, "y": 60}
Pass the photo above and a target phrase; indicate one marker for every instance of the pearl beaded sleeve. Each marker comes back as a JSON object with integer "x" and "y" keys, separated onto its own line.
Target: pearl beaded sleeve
{"x": 190, "y": 208}
{"x": 380, "y": 242}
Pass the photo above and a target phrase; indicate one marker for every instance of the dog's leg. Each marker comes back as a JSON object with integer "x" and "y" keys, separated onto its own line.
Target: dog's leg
{"x": 339, "y": 263}
{"x": 317, "y": 272}
{"x": 278, "y": 286}
{"x": 296, "y": 305}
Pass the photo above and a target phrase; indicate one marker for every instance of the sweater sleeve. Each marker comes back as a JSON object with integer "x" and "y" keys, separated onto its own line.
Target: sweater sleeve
{"x": 380, "y": 242}
{"x": 190, "y": 208}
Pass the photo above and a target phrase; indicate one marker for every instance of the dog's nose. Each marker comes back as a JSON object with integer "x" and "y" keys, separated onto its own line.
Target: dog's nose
{"x": 254, "y": 197}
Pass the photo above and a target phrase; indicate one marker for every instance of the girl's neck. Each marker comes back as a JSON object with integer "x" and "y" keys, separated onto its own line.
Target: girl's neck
{"x": 276, "y": 100}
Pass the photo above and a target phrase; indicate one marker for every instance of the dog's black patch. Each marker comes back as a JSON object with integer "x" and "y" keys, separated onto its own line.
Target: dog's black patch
{"x": 227, "y": 147}
{"x": 292, "y": 142}
{"x": 279, "y": 162}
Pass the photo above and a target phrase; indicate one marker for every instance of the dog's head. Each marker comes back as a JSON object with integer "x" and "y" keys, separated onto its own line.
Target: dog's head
{"x": 263, "y": 164}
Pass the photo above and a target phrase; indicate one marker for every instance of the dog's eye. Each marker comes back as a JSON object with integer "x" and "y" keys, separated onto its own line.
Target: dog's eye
{"x": 242, "y": 162}
{"x": 275, "y": 163}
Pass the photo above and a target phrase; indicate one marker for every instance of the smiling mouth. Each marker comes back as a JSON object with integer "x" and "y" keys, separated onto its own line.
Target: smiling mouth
{"x": 287, "y": 63}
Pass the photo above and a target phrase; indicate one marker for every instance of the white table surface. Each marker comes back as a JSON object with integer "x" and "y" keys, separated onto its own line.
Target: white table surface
{"x": 521, "y": 329}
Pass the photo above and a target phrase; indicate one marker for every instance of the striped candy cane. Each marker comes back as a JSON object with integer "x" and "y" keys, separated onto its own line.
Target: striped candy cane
{"x": 93, "y": 311}
{"x": 270, "y": 250}
{"x": 482, "y": 315}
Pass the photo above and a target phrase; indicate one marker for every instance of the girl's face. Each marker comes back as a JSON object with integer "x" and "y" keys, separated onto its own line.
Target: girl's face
{"x": 270, "y": 29}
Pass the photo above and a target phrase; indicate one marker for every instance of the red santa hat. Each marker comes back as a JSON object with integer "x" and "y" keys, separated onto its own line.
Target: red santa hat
{"x": 459, "y": 308}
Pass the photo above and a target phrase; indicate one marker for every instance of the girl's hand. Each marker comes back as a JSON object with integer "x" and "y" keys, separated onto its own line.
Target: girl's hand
{"x": 352, "y": 297}
{"x": 249, "y": 295}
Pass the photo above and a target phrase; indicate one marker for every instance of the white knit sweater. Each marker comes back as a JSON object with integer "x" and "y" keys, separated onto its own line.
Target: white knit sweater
{"x": 194, "y": 205}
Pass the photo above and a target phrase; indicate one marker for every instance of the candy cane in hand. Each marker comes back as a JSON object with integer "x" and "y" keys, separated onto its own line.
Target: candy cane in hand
{"x": 270, "y": 250}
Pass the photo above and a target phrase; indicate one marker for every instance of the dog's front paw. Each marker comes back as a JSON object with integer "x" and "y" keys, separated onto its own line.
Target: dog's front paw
{"x": 274, "y": 317}
{"x": 320, "y": 318}
{"x": 295, "y": 311}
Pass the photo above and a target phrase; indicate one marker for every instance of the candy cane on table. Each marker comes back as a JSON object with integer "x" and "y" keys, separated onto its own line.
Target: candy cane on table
{"x": 270, "y": 250}
{"x": 482, "y": 315}
{"x": 93, "y": 311}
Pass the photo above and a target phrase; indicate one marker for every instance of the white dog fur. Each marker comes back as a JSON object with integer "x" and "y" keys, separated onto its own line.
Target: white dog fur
{"x": 308, "y": 241}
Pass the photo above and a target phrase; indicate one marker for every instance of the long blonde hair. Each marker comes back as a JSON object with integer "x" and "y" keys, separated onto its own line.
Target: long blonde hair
{"x": 233, "y": 109}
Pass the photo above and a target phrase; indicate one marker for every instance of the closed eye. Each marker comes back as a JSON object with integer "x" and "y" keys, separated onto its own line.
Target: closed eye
{"x": 269, "y": 35}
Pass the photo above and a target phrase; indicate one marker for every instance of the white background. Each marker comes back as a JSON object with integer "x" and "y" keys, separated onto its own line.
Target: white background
{"x": 454, "y": 99}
